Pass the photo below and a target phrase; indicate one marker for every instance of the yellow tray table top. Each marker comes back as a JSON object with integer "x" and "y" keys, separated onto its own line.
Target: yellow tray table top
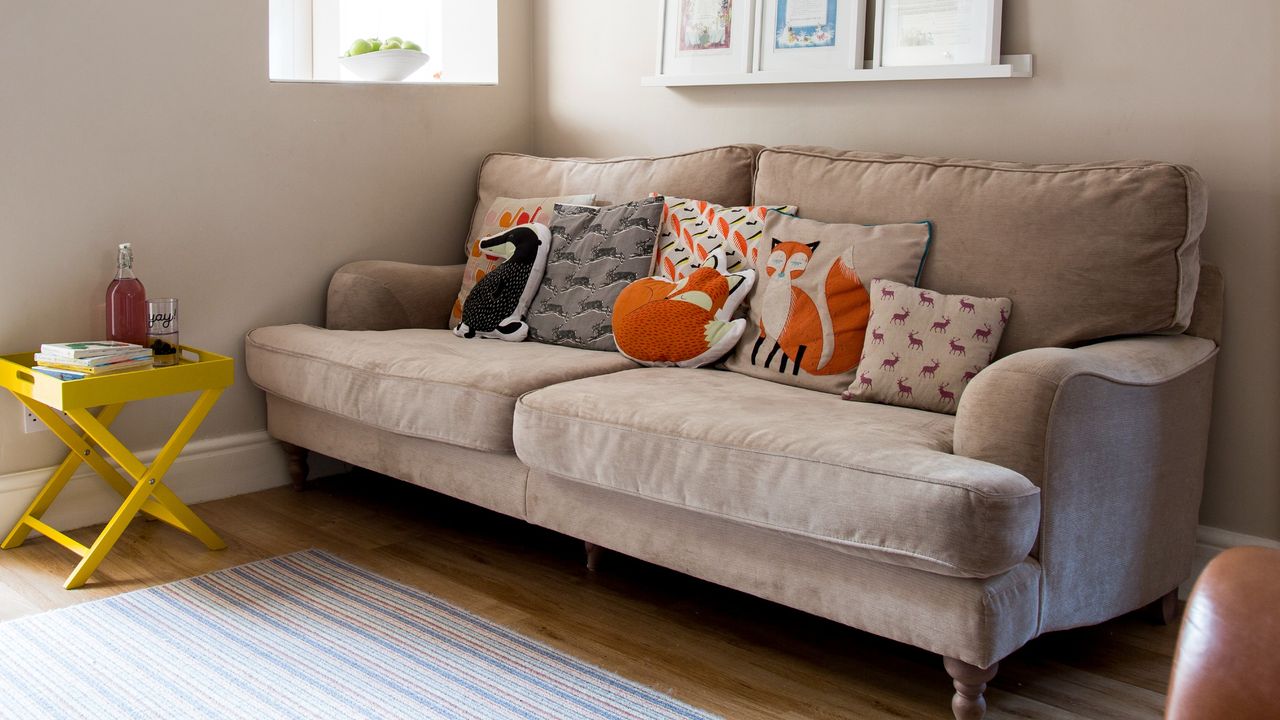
{"x": 91, "y": 442}
{"x": 204, "y": 371}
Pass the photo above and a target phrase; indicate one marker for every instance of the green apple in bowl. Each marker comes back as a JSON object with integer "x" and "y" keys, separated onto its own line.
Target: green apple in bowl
{"x": 383, "y": 60}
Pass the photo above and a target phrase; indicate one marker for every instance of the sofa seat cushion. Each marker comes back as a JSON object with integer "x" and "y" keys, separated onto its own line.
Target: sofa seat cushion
{"x": 421, "y": 383}
{"x": 872, "y": 480}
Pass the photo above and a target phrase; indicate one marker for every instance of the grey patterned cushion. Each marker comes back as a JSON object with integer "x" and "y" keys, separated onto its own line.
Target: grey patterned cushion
{"x": 595, "y": 253}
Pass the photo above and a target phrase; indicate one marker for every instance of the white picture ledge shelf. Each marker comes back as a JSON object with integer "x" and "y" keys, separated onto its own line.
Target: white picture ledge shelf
{"x": 1010, "y": 66}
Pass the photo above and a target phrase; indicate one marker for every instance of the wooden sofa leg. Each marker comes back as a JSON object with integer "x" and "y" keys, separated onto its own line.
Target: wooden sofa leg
{"x": 594, "y": 553}
{"x": 1163, "y": 611}
{"x": 970, "y": 682}
{"x": 296, "y": 456}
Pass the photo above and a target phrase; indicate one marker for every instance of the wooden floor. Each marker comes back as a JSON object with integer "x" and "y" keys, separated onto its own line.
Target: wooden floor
{"x": 724, "y": 651}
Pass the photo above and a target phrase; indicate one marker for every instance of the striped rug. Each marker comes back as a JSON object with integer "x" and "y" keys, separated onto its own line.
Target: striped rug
{"x": 300, "y": 636}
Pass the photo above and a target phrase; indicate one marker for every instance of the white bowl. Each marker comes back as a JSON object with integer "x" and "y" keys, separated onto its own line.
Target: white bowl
{"x": 385, "y": 65}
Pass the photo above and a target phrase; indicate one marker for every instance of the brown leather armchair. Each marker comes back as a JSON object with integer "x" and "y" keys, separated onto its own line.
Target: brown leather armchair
{"x": 1228, "y": 659}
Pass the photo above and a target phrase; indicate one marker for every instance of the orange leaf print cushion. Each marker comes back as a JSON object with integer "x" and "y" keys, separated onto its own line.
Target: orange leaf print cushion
{"x": 682, "y": 323}
{"x": 504, "y": 214}
{"x": 692, "y": 229}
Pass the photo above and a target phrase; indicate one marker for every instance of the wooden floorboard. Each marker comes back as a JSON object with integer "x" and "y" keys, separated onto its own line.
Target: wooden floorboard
{"x": 721, "y": 650}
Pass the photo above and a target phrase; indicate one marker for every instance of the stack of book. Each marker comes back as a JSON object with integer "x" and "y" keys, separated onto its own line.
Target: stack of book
{"x": 76, "y": 360}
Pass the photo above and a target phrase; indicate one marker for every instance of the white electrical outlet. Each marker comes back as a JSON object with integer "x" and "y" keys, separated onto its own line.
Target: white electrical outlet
{"x": 31, "y": 423}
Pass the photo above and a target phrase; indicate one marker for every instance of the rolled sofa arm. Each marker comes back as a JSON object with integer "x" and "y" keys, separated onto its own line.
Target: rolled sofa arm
{"x": 385, "y": 295}
{"x": 1115, "y": 436}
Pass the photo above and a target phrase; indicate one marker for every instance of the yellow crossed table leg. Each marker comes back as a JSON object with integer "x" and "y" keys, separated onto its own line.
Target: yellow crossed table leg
{"x": 81, "y": 452}
{"x": 149, "y": 484}
{"x": 148, "y": 493}
{"x": 58, "y": 481}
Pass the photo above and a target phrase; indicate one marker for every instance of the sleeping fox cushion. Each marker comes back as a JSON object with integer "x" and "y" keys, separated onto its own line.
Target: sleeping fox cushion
{"x": 809, "y": 309}
{"x": 682, "y": 323}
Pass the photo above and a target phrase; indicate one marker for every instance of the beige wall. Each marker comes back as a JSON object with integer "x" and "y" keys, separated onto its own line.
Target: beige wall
{"x": 1186, "y": 81}
{"x": 152, "y": 121}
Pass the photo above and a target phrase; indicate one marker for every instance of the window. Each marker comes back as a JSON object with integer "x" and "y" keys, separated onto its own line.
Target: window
{"x": 307, "y": 38}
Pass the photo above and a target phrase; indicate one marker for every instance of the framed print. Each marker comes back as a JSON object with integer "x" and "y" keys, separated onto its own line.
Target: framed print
{"x": 704, "y": 26}
{"x": 705, "y": 37}
{"x": 810, "y": 34}
{"x": 937, "y": 32}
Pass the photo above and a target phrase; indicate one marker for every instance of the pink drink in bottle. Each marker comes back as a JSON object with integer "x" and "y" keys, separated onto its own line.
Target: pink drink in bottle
{"x": 126, "y": 302}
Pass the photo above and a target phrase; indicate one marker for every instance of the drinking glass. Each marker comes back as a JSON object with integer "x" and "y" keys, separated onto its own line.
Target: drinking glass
{"x": 162, "y": 330}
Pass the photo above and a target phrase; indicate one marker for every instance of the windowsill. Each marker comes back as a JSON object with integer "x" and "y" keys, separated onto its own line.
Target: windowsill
{"x": 434, "y": 83}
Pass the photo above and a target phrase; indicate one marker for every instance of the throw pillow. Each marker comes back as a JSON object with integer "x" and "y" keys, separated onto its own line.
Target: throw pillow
{"x": 810, "y": 304}
{"x": 683, "y": 323}
{"x": 595, "y": 253}
{"x": 503, "y": 214}
{"x": 496, "y": 306}
{"x": 693, "y": 229}
{"x": 925, "y": 347}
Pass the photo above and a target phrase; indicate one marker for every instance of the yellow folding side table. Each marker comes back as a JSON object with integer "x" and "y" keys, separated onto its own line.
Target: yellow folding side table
{"x": 197, "y": 371}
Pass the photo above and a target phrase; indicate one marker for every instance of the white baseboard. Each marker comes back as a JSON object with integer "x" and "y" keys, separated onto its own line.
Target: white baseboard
{"x": 207, "y": 470}
{"x": 1210, "y": 541}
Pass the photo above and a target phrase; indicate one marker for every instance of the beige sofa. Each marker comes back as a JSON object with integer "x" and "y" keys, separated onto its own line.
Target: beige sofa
{"x": 1064, "y": 492}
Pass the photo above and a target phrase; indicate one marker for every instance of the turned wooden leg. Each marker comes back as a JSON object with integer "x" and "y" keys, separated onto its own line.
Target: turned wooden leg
{"x": 594, "y": 553}
{"x": 1163, "y": 611}
{"x": 970, "y": 682}
{"x": 297, "y": 458}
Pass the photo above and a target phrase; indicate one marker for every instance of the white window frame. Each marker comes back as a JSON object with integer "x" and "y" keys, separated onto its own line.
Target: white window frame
{"x": 302, "y": 33}
{"x": 290, "y": 39}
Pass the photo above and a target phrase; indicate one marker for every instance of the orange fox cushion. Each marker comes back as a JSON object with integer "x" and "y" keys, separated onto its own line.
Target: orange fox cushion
{"x": 693, "y": 229}
{"x": 504, "y": 214}
{"x": 808, "y": 311}
{"x": 683, "y": 323}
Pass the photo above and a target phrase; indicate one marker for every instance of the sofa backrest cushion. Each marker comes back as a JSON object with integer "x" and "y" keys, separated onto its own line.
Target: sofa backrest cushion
{"x": 1084, "y": 251}
{"x": 720, "y": 175}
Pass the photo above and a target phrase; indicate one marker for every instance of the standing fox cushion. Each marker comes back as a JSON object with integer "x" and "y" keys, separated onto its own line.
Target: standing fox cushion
{"x": 808, "y": 312}
{"x": 683, "y": 323}
{"x": 924, "y": 347}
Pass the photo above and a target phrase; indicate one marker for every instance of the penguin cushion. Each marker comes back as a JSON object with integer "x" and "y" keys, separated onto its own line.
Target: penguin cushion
{"x": 497, "y": 304}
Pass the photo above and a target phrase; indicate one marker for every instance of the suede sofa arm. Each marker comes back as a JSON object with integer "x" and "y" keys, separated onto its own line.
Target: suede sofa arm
{"x": 1115, "y": 435}
{"x": 384, "y": 295}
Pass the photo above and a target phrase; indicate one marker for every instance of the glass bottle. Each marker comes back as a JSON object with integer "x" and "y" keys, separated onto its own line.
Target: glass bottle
{"x": 126, "y": 302}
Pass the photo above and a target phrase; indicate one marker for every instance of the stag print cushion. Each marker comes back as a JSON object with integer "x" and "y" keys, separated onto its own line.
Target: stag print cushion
{"x": 595, "y": 253}
{"x": 924, "y": 347}
{"x": 682, "y": 323}
{"x": 503, "y": 214}
{"x": 808, "y": 312}
{"x": 693, "y": 229}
